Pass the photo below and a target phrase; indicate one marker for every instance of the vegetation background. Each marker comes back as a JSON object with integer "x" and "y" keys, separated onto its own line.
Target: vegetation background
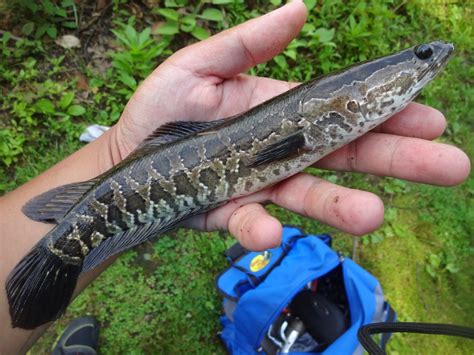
{"x": 160, "y": 298}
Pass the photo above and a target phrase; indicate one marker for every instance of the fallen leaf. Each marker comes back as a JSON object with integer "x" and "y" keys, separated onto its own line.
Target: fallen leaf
{"x": 101, "y": 4}
{"x": 82, "y": 82}
{"x": 68, "y": 41}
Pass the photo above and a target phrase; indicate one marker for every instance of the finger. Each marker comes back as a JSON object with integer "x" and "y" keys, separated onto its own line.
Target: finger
{"x": 235, "y": 50}
{"x": 254, "y": 228}
{"x": 406, "y": 158}
{"x": 356, "y": 212}
{"x": 245, "y": 219}
{"x": 416, "y": 120}
{"x": 353, "y": 211}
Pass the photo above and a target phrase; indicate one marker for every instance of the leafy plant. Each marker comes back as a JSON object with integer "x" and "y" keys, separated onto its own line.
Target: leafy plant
{"x": 187, "y": 22}
{"x": 47, "y": 17}
{"x": 440, "y": 262}
{"x": 138, "y": 57}
{"x": 11, "y": 145}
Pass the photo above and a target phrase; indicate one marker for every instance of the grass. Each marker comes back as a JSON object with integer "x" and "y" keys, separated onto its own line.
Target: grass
{"x": 161, "y": 298}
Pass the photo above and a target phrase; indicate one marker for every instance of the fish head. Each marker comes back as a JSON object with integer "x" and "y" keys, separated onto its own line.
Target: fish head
{"x": 358, "y": 98}
{"x": 392, "y": 87}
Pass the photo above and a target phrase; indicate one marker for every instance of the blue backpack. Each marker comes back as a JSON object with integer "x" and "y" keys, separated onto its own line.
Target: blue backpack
{"x": 260, "y": 289}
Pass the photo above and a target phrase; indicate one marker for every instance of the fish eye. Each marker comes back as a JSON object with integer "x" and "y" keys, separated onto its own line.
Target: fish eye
{"x": 424, "y": 51}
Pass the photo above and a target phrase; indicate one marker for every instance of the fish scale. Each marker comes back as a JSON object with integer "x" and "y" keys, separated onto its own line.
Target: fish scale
{"x": 187, "y": 168}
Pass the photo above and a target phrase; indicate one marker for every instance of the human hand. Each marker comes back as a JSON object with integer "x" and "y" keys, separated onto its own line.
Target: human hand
{"x": 204, "y": 82}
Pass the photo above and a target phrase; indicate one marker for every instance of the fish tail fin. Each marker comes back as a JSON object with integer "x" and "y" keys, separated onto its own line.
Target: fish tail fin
{"x": 40, "y": 288}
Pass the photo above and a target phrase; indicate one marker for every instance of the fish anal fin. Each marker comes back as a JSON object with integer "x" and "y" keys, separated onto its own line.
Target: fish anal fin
{"x": 121, "y": 242}
{"x": 284, "y": 148}
{"x": 51, "y": 206}
{"x": 132, "y": 237}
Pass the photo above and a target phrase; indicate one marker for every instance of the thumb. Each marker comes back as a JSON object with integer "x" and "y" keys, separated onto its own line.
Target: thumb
{"x": 235, "y": 50}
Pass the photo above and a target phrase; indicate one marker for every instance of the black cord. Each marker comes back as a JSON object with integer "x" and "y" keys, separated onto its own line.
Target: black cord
{"x": 372, "y": 348}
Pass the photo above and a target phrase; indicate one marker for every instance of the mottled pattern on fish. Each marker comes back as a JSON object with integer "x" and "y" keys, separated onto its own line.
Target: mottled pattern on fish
{"x": 202, "y": 165}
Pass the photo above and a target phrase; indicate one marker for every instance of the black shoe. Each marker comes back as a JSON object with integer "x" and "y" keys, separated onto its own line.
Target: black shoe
{"x": 81, "y": 337}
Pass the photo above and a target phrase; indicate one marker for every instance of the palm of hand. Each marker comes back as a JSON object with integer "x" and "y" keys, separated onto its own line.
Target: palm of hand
{"x": 204, "y": 82}
{"x": 176, "y": 93}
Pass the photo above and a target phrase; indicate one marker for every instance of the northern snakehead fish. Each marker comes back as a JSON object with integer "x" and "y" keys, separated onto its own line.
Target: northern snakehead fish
{"x": 187, "y": 168}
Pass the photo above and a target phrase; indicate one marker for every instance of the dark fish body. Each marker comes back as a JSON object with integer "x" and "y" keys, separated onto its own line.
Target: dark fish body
{"x": 188, "y": 168}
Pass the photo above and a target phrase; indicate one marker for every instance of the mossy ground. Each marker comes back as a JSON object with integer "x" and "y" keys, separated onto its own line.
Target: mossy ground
{"x": 161, "y": 298}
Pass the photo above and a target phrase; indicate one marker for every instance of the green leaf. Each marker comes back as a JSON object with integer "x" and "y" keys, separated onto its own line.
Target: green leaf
{"x": 171, "y": 3}
{"x": 452, "y": 268}
{"x": 281, "y": 61}
{"x": 431, "y": 271}
{"x": 168, "y": 28}
{"x": 66, "y": 3}
{"x": 52, "y": 32}
{"x": 212, "y": 15}
{"x": 66, "y": 100}
{"x": 28, "y": 28}
{"x": 169, "y": 14}
{"x": 308, "y": 27}
{"x": 375, "y": 238}
{"x": 144, "y": 36}
{"x": 200, "y": 33}
{"x": 41, "y": 30}
{"x": 45, "y": 106}
{"x": 123, "y": 39}
{"x": 69, "y": 24}
{"x": 76, "y": 110}
{"x": 6, "y": 37}
{"x": 310, "y": 4}
{"x": 128, "y": 80}
{"x": 290, "y": 53}
{"x": 275, "y": 2}
{"x": 222, "y": 2}
{"x": 434, "y": 260}
{"x": 131, "y": 34}
{"x": 61, "y": 13}
{"x": 324, "y": 34}
{"x": 48, "y": 7}
{"x": 400, "y": 231}
{"x": 31, "y": 5}
{"x": 188, "y": 23}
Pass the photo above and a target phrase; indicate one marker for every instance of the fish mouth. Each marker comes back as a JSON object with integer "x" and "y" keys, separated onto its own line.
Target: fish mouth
{"x": 443, "y": 52}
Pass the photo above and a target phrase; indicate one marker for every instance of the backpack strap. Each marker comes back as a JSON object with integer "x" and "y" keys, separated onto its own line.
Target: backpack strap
{"x": 365, "y": 332}
{"x": 235, "y": 252}
{"x": 390, "y": 318}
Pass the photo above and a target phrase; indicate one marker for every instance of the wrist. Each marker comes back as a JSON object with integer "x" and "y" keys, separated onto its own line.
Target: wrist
{"x": 107, "y": 149}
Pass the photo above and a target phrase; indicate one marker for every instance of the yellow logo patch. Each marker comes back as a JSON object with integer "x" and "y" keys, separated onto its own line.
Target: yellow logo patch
{"x": 260, "y": 261}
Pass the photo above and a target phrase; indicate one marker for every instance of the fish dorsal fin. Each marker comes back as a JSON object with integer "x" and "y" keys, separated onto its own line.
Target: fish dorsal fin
{"x": 181, "y": 129}
{"x": 279, "y": 150}
{"x": 51, "y": 206}
{"x": 173, "y": 131}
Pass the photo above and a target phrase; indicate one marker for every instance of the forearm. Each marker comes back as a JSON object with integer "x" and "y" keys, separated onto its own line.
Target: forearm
{"x": 18, "y": 233}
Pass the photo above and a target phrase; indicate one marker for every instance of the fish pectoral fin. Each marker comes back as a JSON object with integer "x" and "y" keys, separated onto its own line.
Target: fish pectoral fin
{"x": 51, "y": 206}
{"x": 282, "y": 149}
